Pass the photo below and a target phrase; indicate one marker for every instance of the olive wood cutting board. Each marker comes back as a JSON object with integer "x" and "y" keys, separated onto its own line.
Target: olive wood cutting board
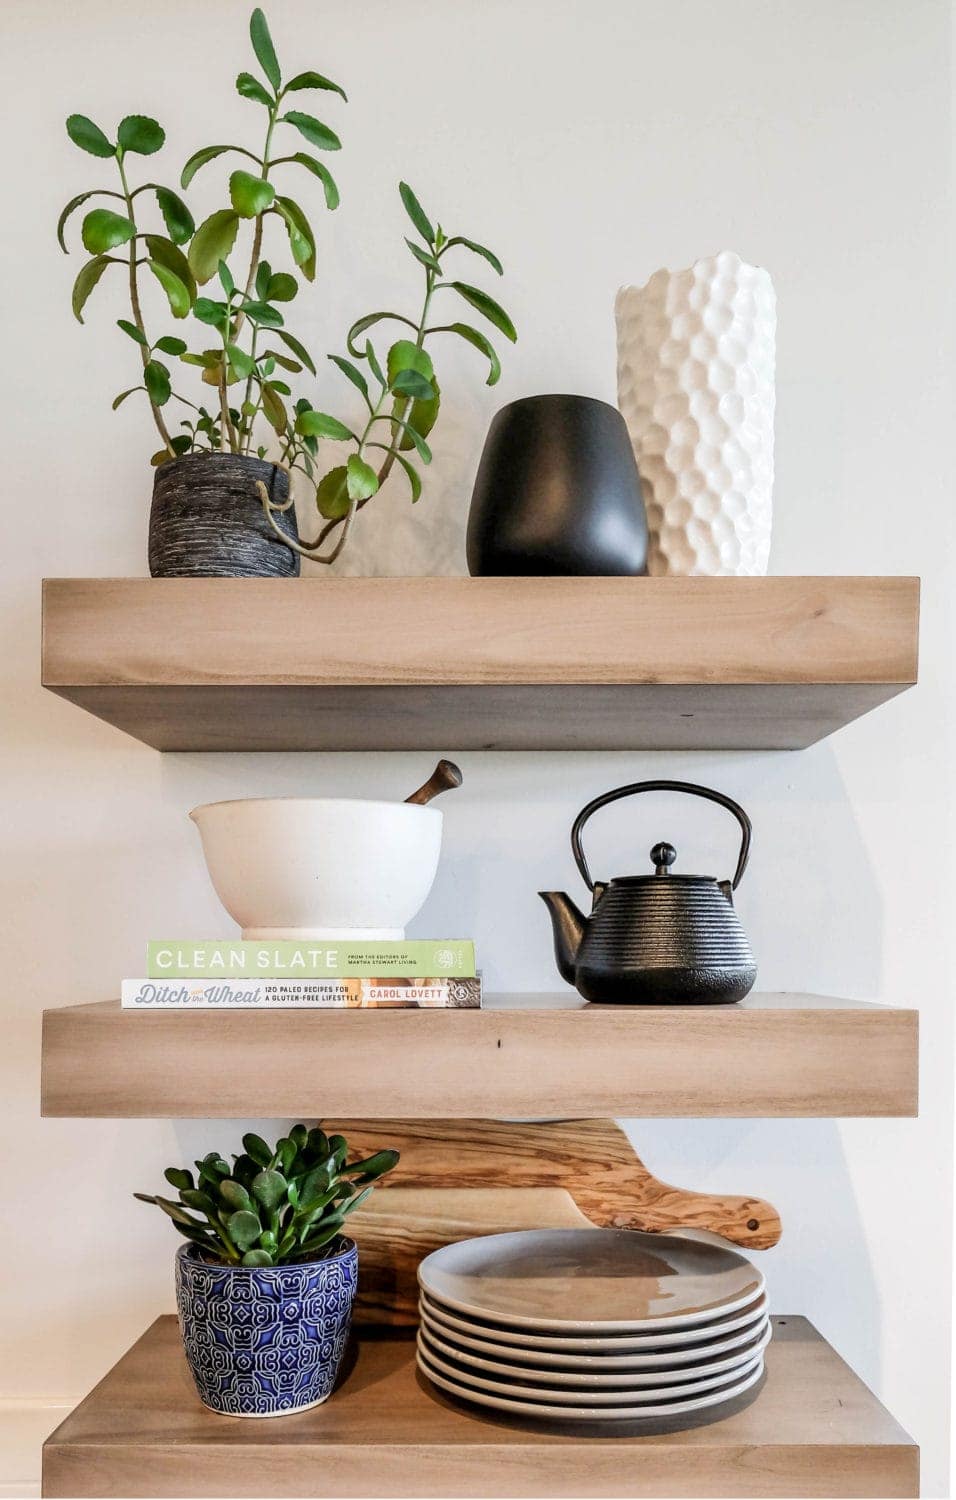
{"x": 458, "y": 1178}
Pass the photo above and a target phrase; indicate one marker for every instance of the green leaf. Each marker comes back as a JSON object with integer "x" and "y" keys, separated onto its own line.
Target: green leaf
{"x": 197, "y": 1199}
{"x": 169, "y": 345}
{"x": 156, "y": 377}
{"x": 214, "y": 314}
{"x": 255, "y": 1146}
{"x": 423, "y": 256}
{"x": 286, "y": 1152}
{"x": 139, "y": 338}
{"x": 328, "y": 1232}
{"x": 250, "y": 195}
{"x": 199, "y": 159}
{"x": 318, "y": 1142}
{"x": 225, "y": 279}
{"x": 353, "y": 373}
{"x": 179, "y": 222}
{"x": 375, "y": 1165}
{"x": 410, "y": 383}
{"x": 263, "y": 276}
{"x": 177, "y": 292}
{"x": 301, "y": 238}
{"x": 416, "y": 213}
{"x": 269, "y": 1188}
{"x": 488, "y": 255}
{"x": 212, "y": 243}
{"x": 234, "y": 1194}
{"x": 414, "y": 480}
{"x": 244, "y": 1228}
{"x": 169, "y": 255}
{"x": 250, "y": 88}
{"x": 292, "y": 365}
{"x": 318, "y": 424}
{"x": 257, "y": 1258}
{"x": 74, "y": 204}
{"x": 322, "y": 172}
{"x": 332, "y": 496}
{"x": 276, "y": 415}
{"x": 422, "y": 418}
{"x": 362, "y": 480}
{"x": 86, "y": 281}
{"x": 369, "y": 321}
{"x": 354, "y": 1203}
{"x": 140, "y": 134}
{"x": 88, "y": 137}
{"x": 263, "y": 48}
{"x": 241, "y": 362}
{"x": 262, "y": 313}
{"x": 179, "y": 1178}
{"x": 298, "y": 349}
{"x": 478, "y": 340}
{"x": 404, "y": 355}
{"x": 314, "y": 81}
{"x": 103, "y": 230}
{"x": 314, "y": 131}
{"x": 417, "y": 441}
{"x": 374, "y": 365}
{"x": 281, "y": 288}
{"x": 298, "y": 1133}
{"x": 118, "y": 400}
{"x": 177, "y": 1213}
{"x": 487, "y": 306}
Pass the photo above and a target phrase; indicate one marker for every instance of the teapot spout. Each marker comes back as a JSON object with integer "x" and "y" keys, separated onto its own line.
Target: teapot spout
{"x": 569, "y": 925}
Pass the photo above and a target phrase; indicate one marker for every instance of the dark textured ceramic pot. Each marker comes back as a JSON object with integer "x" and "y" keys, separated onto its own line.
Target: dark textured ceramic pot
{"x": 207, "y": 519}
{"x": 557, "y": 492}
{"x": 265, "y": 1340}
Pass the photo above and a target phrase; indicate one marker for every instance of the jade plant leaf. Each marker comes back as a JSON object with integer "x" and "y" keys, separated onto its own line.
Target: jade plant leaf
{"x": 244, "y": 1228}
{"x": 89, "y": 137}
{"x": 140, "y": 134}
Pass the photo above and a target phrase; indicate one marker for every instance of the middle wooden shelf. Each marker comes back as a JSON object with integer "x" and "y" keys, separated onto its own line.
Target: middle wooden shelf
{"x": 520, "y": 1055}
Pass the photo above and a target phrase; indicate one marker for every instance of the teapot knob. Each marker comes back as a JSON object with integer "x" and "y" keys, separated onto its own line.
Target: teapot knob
{"x": 663, "y": 856}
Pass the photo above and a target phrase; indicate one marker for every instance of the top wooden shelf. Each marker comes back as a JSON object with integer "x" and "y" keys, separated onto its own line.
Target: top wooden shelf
{"x": 480, "y": 663}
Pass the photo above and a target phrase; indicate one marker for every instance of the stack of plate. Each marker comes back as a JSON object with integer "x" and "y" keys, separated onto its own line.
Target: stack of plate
{"x": 592, "y": 1325}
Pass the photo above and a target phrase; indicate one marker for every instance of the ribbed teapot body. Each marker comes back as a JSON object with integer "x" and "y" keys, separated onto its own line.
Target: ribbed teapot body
{"x": 671, "y": 940}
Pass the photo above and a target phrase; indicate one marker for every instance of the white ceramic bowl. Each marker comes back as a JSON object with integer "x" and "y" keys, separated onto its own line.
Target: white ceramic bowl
{"x": 289, "y": 867}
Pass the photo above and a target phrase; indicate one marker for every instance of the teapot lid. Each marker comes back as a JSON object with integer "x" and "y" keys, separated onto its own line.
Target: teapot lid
{"x": 662, "y": 857}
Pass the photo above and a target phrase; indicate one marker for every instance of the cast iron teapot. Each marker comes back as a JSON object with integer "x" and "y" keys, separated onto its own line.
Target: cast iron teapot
{"x": 658, "y": 939}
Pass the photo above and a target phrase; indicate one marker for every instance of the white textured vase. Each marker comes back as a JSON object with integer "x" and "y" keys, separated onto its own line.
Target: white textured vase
{"x": 695, "y": 382}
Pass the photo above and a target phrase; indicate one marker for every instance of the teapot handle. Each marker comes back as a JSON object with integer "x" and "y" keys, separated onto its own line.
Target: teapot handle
{"x": 661, "y": 786}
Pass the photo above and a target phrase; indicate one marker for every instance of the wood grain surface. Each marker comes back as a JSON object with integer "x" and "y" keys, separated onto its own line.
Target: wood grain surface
{"x": 521, "y": 1055}
{"x": 461, "y": 663}
{"x": 813, "y": 1430}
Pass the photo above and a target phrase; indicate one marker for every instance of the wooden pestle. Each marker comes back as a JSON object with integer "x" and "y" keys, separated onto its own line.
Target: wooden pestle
{"x": 445, "y": 776}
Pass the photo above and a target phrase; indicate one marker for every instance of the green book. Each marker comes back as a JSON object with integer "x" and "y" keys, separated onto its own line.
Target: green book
{"x": 340, "y": 959}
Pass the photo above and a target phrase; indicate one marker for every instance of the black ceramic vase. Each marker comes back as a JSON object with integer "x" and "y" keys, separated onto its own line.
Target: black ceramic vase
{"x": 557, "y": 492}
{"x": 207, "y": 519}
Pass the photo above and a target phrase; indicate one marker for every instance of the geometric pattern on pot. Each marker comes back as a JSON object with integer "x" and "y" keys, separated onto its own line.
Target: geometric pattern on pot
{"x": 266, "y": 1340}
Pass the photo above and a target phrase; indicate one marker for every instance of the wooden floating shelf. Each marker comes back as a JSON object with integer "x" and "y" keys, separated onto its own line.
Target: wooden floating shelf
{"x": 813, "y": 1430}
{"x": 480, "y": 663}
{"x": 522, "y": 1055}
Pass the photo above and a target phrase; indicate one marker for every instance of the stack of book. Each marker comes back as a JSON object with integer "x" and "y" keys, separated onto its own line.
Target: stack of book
{"x": 341, "y": 975}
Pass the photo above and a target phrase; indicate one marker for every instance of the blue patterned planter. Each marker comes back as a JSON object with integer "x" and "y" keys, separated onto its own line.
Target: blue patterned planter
{"x": 264, "y": 1341}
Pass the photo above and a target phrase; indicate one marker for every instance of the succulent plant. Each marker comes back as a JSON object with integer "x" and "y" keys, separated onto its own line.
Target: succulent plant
{"x": 274, "y": 1205}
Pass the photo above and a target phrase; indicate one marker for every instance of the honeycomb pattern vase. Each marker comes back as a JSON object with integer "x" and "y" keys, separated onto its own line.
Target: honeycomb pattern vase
{"x": 266, "y": 1340}
{"x": 695, "y": 379}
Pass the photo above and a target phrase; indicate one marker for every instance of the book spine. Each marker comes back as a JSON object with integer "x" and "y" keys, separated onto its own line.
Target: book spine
{"x": 420, "y": 993}
{"x": 328, "y": 959}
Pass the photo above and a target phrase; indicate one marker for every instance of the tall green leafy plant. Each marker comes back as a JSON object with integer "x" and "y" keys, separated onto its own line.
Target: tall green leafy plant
{"x": 276, "y": 1204}
{"x": 248, "y": 354}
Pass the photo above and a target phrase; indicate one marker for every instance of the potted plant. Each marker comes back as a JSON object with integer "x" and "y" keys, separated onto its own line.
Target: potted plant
{"x": 221, "y": 496}
{"x": 266, "y": 1280}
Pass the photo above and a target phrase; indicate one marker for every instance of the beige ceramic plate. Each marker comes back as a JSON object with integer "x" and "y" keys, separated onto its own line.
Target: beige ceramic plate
{"x": 552, "y": 1413}
{"x": 443, "y": 1348}
{"x": 590, "y": 1281}
{"x": 613, "y": 1350}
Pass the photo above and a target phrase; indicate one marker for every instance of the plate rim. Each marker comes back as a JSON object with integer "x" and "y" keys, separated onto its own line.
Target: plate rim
{"x": 587, "y": 1326}
{"x": 590, "y": 1413}
{"x": 578, "y": 1379}
{"x": 578, "y": 1343}
{"x": 602, "y": 1395}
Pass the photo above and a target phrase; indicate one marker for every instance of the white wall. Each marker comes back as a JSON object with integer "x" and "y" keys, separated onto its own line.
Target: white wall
{"x": 588, "y": 144}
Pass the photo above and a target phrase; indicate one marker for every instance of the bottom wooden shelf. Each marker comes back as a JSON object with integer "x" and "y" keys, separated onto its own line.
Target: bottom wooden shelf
{"x": 814, "y": 1430}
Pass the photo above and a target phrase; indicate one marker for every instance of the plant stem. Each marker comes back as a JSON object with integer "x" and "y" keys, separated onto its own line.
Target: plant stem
{"x": 137, "y": 310}
{"x": 257, "y": 236}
